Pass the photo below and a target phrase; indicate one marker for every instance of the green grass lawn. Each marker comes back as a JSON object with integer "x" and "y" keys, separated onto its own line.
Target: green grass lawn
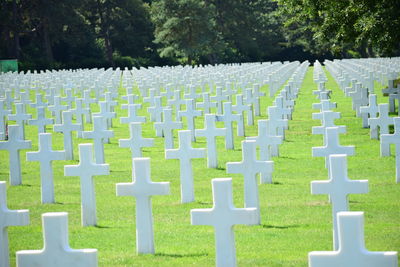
{"x": 294, "y": 222}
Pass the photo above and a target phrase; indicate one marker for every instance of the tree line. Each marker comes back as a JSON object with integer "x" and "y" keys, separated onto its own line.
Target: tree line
{"x": 117, "y": 33}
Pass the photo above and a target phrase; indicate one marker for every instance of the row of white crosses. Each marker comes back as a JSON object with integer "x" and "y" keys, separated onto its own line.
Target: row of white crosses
{"x": 223, "y": 216}
{"x": 348, "y": 235}
{"x": 56, "y": 223}
{"x": 55, "y": 230}
{"x": 56, "y": 250}
{"x": 145, "y": 245}
{"x": 375, "y": 117}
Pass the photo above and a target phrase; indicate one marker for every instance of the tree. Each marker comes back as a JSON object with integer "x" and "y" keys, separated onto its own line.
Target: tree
{"x": 368, "y": 26}
{"x": 183, "y": 28}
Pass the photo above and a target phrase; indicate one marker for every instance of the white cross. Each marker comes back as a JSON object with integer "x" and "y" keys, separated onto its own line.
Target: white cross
{"x": 88, "y": 100}
{"x": 210, "y": 132}
{"x": 207, "y": 104}
{"x": 252, "y": 100}
{"x": 250, "y": 167}
{"x": 142, "y": 188}
{"x": 69, "y": 98}
{"x": 327, "y": 118}
{"x": 57, "y": 108}
{"x": 256, "y": 90}
{"x": 338, "y": 187}
{"x": 332, "y": 146}
{"x": 392, "y": 102}
{"x": 24, "y": 100}
{"x": 14, "y": 144}
{"x": 370, "y": 111}
{"x": 176, "y": 103}
{"x": 41, "y": 120}
{"x": 185, "y": 153}
{"x": 287, "y": 102}
{"x": 383, "y": 122}
{"x": 359, "y": 97}
{"x": 56, "y": 250}
{"x": 109, "y": 99}
{"x": 265, "y": 140}
{"x": 192, "y": 93}
{"x": 86, "y": 169}
{"x": 9, "y": 100}
{"x": 281, "y": 109}
{"x": 8, "y": 218}
{"x": 230, "y": 88}
{"x": 240, "y": 108}
{"x": 105, "y": 113}
{"x": 228, "y": 118}
{"x": 80, "y": 112}
{"x": 322, "y": 93}
{"x": 393, "y": 96}
{"x": 219, "y": 98}
{"x": 66, "y": 128}
{"x": 136, "y": 142}
{"x": 39, "y": 102}
{"x": 393, "y": 139}
{"x": 167, "y": 127}
{"x": 351, "y": 251}
{"x": 277, "y": 124}
{"x": 150, "y": 99}
{"x": 169, "y": 91}
{"x": 99, "y": 134}
{"x": 20, "y": 117}
{"x": 156, "y": 110}
{"x": 190, "y": 113}
{"x": 223, "y": 216}
{"x": 132, "y": 114}
{"x": 4, "y": 112}
{"x": 45, "y": 156}
{"x": 49, "y": 95}
{"x": 131, "y": 98}
{"x": 324, "y": 105}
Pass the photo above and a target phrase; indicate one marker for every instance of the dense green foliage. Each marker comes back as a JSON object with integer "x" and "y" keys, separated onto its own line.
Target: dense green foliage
{"x": 117, "y": 33}
{"x": 345, "y": 28}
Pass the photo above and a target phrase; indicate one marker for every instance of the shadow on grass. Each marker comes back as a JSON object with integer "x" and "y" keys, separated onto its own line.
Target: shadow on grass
{"x": 270, "y": 226}
{"x": 181, "y": 255}
{"x": 286, "y": 157}
{"x": 204, "y": 203}
{"x": 278, "y": 183}
{"x": 116, "y": 171}
{"x": 102, "y": 226}
{"x": 221, "y": 168}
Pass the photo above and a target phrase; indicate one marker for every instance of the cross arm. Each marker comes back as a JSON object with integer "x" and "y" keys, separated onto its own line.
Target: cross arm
{"x": 172, "y": 153}
{"x": 321, "y": 187}
{"x": 234, "y": 167}
{"x": 390, "y": 138}
{"x": 247, "y": 216}
{"x": 16, "y": 217}
{"x": 202, "y": 217}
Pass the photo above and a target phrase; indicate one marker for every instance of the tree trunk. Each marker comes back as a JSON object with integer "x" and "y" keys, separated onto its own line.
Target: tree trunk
{"x": 16, "y": 30}
{"x": 105, "y": 34}
{"x": 5, "y": 35}
{"x": 47, "y": 41}
{"x": 109, "y": 49}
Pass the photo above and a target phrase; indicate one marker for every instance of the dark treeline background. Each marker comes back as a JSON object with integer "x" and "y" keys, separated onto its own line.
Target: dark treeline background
{"x": 117, "y": 33}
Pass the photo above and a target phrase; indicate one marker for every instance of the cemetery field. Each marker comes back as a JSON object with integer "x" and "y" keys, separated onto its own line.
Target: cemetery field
{"x": 293, "y": 221}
